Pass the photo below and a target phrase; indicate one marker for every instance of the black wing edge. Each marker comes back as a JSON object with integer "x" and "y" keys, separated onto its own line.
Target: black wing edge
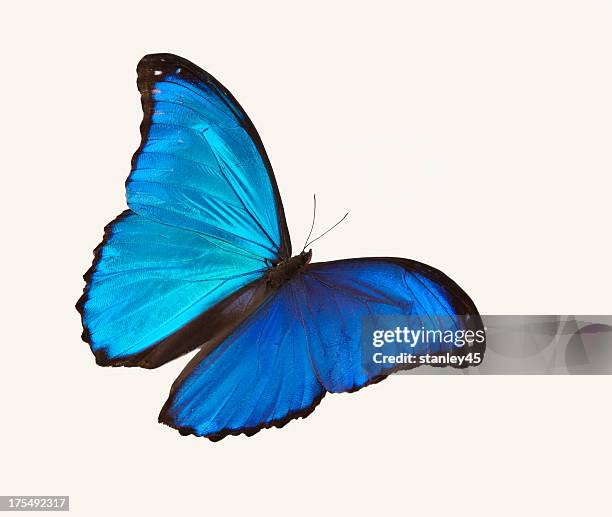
{"x": 462, "y": 304}
{"x": 206, "y": 330}
{"x": 166, "y": 419}
{"x": 80, "y": 305}
{"x": 169, "y": 63}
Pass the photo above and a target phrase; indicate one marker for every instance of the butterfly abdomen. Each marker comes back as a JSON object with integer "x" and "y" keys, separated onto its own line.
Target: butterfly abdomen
{"x": 285, "y": 270}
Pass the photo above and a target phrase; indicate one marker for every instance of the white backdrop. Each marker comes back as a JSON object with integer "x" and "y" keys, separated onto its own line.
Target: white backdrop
{"x": 473, "y": 136}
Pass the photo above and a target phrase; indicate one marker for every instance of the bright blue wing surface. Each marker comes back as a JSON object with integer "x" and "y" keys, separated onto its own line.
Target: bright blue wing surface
{"x": 262, "y": 375}
{"x": 306, "y": 340}
{"x": 205, "y": 219}
{"x": 336, "y": 297}
{"x": 150, "y": 279}
{"x": 201, "y": 165}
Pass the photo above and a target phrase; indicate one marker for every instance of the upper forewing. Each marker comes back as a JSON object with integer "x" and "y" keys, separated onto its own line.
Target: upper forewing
{"x": 201, "y": 164}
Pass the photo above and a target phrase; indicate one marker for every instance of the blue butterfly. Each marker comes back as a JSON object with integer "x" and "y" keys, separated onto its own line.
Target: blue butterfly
{"x": 202, "y": 259}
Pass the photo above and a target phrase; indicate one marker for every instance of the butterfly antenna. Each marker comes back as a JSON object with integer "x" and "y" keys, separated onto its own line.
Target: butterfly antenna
{"x": 314, "y": 214}
{"x": 326, "y": 232}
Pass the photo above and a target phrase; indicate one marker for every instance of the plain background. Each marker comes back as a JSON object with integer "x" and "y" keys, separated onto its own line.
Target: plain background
{"x": 474, "y": 136}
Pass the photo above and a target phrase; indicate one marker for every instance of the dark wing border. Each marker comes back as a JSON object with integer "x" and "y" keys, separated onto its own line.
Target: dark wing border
{"x": 80, "y": 305}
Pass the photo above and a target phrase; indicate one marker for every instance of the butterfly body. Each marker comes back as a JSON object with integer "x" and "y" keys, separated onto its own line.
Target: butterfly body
{"x": 202, "y": 261}
{"x": 285, "y": 270}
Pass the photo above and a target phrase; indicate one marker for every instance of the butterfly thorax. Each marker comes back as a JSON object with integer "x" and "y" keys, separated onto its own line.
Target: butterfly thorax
{"x": 284, "y": 270}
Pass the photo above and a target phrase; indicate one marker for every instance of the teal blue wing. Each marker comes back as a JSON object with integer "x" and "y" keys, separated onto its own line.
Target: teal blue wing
{"x": 205, "y": 220}
{"x": 201, "y": 165}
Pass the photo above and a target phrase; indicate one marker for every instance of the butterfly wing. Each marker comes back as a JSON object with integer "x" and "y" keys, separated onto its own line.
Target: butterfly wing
{"x": 185, "y": 263}
{"x": 340, "y": 299}
{"x": 260, "y": 376}
{"x": 201, "y": 164}
{"x": 305, "y": 340}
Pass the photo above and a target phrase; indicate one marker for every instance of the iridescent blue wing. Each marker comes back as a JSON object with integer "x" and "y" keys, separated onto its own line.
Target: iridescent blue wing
{"x": 201, "y": 164}
{"x": 305, "y": 340}
{"x": 149, "y": 281}
{"x": 205, "y": 220}
{"x": 261, "y": 376}
{"x": 340, "y": 299}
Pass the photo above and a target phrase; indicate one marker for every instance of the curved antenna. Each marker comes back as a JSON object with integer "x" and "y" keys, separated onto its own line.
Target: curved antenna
{"x": 314, "y": 214}
{"x": 326, "y": 232}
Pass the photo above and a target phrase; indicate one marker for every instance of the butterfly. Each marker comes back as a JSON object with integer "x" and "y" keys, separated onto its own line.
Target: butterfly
{"x": 202, "y": 259}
